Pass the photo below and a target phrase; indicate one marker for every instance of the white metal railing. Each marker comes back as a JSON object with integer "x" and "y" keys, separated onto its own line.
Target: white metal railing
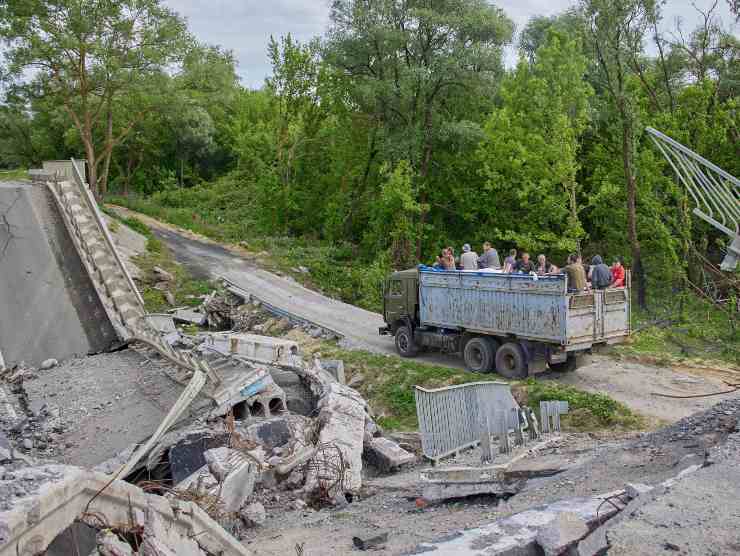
{"x": 455, "y": 417}
{"x": 715, "y": 192}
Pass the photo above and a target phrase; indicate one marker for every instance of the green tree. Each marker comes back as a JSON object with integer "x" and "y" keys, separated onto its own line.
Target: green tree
{"x": 406, "y": 62}
{"x": 394, "y": 217}
{"x": 530, "y": 155}
{"x": 616, "y": 32}
{"x": 87, "y": 55}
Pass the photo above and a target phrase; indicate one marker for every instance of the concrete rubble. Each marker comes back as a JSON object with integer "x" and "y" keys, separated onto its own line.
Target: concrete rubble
{"x": 238, "y": 446}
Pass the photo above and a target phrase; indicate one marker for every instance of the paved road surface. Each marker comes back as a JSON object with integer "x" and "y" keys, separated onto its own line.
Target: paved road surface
{"x": 206, "y": 259}
{"x": 48, "y": 305}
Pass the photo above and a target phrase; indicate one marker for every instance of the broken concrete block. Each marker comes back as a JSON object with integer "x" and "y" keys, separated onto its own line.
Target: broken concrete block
{"x": 269, "y": 433}
{"x": 633, "y": 490}
{"x": 186, "y": 457}
{"x": 110, "y": 545}
{"x": 49, "y": 363}
{"x": 189, "y": 316}
{"x": 238, "y": 485}
{"x": 386, "y": 455}
{"x": 335, "y": 367}
{"x": 459, "y": 482}
{"x": 218, "y": 461}
{"x": 253, "y": 514}
{"x": 342, "y": 412}
{"x": 562, "y": 533}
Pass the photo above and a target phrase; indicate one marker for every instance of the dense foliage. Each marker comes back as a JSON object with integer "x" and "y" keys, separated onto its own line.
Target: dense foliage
{"x": 398, "y": 132}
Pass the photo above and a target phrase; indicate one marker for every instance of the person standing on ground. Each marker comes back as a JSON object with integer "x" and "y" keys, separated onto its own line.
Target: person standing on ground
{"x": 575, "y": 273}
{"x": 510, "y": 261}
{"x": 599, "y": 274}
{"x": 489, "y": 258}
{"x": 617, "y": 273}
{"x": 468, "y": 259}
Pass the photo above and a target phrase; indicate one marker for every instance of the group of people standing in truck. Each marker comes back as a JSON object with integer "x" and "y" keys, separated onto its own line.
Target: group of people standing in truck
{"x": 596, "y": 275}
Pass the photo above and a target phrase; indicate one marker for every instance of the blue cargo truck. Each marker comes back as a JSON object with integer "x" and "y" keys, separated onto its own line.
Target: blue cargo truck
{"x": 515, "y": 324}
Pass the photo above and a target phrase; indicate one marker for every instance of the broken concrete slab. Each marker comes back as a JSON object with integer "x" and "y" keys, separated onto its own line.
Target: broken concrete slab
{"x": 189, "y": 316}
{"x": 460, "y": 482}
{"x": 335, "y": 367}
{"x": 269, "y": 433}
{"x": 517, "y": 535}
{"x": 561, "y": 534}
{"x": 386, "y": 455}
{"x": 58, "y": 495}
{"x": 188, "y": 455}
{"x": 236, "y": 474}
{"x": 262, "y": 349}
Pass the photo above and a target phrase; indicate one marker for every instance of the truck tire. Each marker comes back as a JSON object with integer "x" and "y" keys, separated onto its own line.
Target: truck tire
{"x": 510, "y": 361}
{"x": 405, "y": 345}
{"x": 479, "y": 355}
{"x": 566, "y": 366}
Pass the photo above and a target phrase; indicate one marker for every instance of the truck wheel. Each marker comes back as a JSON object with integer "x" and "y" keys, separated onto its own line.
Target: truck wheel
{"x": 510, "y": 361}
{"x": 479, "y": 355}
{"x": 405, "y": 342}
{"x": 566, "y": 366}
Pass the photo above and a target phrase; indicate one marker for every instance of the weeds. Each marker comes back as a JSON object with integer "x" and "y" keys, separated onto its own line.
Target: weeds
{"x": 388, "y": 385}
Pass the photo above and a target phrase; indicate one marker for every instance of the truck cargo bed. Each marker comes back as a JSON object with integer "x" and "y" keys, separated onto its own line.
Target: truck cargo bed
{"x": 522, "y": 306}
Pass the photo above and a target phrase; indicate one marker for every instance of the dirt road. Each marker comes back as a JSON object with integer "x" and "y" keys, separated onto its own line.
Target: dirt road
{"x": 631, "y": 383}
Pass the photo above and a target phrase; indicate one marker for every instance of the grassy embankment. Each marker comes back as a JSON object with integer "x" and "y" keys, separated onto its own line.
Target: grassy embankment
{"x": 333, "y": 269}
{"x": 696, "y": 334}
{"x": 12, "y": 175}
{"x": 388, "y": 384}
{"x": 184, "y": 287}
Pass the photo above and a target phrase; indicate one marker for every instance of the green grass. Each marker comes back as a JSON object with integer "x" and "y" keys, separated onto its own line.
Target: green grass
{"x": 389, "y": 388}
{"x": 184, "y": 287}
{"x": 12, "y": 175}
{"x": 683, "y": 330}
{"x": 587, "y": 411}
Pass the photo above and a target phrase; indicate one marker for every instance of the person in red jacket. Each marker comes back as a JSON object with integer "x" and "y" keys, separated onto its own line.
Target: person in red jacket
{"x": 617, "y": 273}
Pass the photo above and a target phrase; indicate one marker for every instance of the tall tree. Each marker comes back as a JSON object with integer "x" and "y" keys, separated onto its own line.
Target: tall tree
{"x": 616, "y": 30}
{"x": 87, "y": 55}
{"x": 406, "y": 61}
{"x": 530, "y": 156}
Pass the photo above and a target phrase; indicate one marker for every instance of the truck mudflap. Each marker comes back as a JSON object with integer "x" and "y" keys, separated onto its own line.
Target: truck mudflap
{"x": 385, "y": 331}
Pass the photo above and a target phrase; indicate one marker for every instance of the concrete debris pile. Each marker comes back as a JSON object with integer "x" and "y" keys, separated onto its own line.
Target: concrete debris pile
{"x": 55, "y": 509}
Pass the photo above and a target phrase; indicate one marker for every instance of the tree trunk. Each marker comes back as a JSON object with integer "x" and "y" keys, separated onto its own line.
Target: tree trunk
{"x": 92, "y": 170}
{"x": 108, "y": 154}
{"x": 631, "y": 182}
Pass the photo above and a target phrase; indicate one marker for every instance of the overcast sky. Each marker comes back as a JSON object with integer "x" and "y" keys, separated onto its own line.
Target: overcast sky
{"x": 245, "y": 26}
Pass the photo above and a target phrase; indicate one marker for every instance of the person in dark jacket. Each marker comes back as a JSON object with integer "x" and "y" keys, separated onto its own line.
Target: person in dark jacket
{"x": 599, "y": 274}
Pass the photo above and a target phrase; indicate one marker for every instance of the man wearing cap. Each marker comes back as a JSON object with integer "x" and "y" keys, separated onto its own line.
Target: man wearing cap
{"x": 469, "y": 259}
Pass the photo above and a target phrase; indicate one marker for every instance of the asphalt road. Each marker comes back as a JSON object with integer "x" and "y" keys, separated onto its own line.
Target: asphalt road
{"x": 206, "y": 259}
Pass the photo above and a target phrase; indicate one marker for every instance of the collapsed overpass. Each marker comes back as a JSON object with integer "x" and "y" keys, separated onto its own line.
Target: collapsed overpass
{"x": 50, "y": 309}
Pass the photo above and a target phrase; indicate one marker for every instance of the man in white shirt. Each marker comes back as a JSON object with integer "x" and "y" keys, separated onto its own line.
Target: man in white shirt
{"x": 469, "y": 259}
